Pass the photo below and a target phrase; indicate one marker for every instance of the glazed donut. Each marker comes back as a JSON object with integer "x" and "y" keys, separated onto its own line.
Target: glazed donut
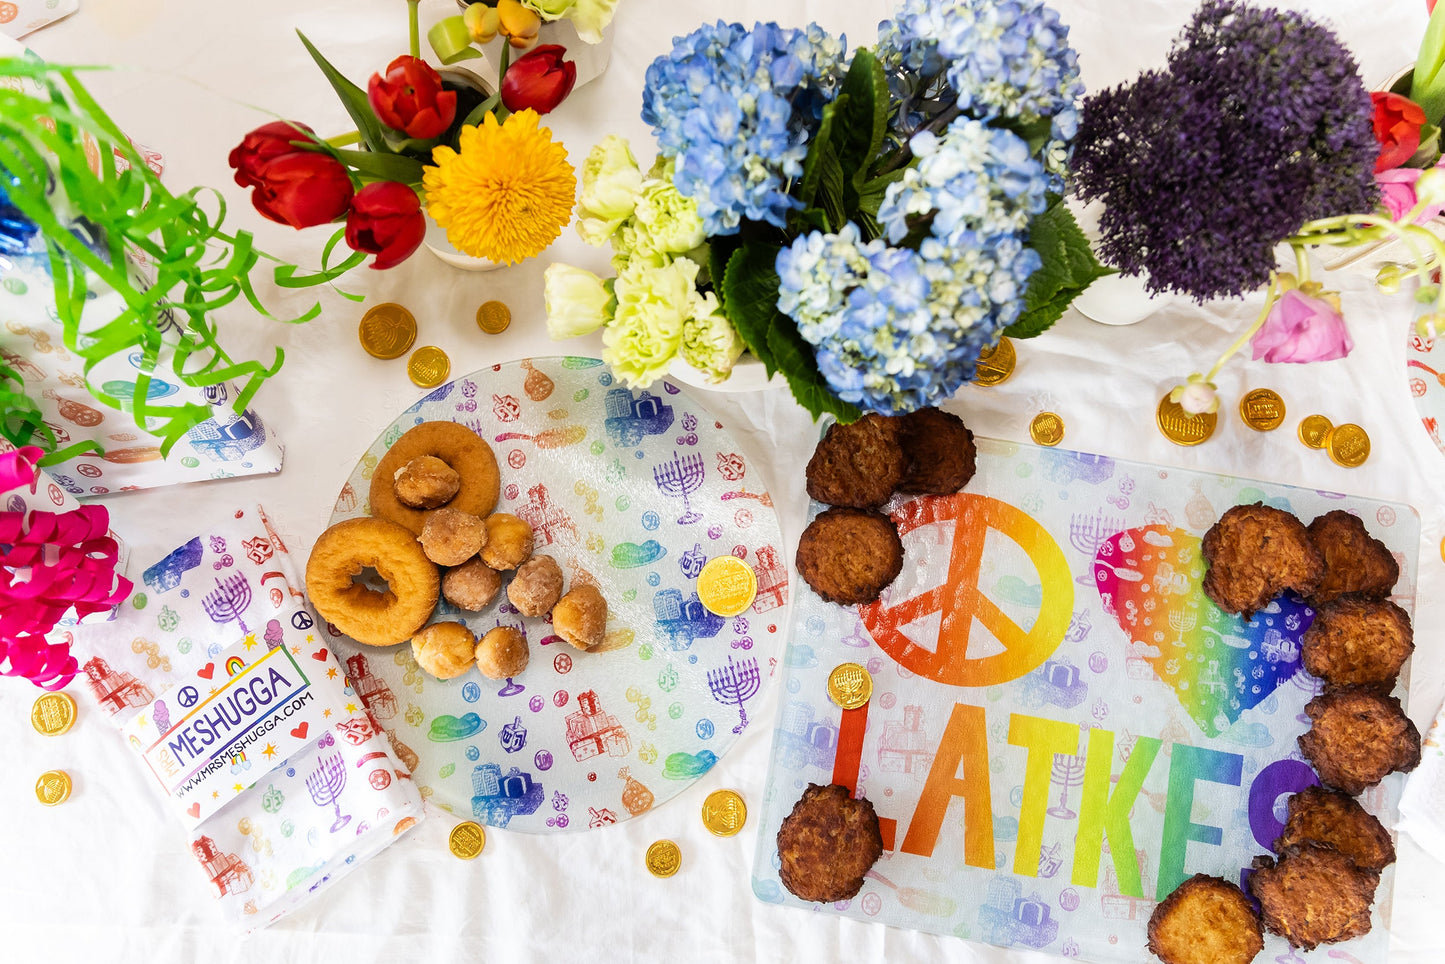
{"x": 367, "y": 616}
{"x": 457, "y": 446}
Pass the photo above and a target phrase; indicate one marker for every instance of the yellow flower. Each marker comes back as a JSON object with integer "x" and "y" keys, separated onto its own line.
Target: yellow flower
{"x": 507, "y": 194}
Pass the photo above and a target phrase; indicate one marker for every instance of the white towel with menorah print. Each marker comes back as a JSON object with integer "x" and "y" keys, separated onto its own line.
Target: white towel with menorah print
{"x": 325, "y": 797}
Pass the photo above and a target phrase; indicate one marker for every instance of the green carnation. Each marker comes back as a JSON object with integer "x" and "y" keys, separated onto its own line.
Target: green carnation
{"x": 589, "y": 17}
{"x": 611, "y": 181}
{"x": 665, "y": 216}
{"x": 710, "y": 343}
{"x": 653, "y": 304}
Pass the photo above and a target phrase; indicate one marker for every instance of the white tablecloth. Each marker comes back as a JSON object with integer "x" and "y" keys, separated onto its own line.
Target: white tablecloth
{"x": 107, "y": 875}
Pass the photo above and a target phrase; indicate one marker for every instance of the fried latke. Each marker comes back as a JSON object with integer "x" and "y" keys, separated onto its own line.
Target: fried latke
{"x": 827, "y": 844}
{"x": 1255, "y": 552}
{"x": 939, "y": 452}
{"x": 1206, "y": 920}
{"x": 1313, "y": 895}
{"x": 1337, "y": 820}
{"x": 857, "y": 465}
{"x": 1355, "y": 561}
{"x": 850, "y": 556}
{"x": 1358, "y": 737}
{"x": 1355, "y": 641}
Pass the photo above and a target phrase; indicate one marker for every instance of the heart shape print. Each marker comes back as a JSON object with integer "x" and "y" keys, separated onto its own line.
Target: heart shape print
{"x": 1150, "y": 580}
{"x": 300, "y": 731}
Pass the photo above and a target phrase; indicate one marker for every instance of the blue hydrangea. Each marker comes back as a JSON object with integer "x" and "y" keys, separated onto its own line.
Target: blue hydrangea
{"x": 16, "y": 230}
{"x": 978, "y": 182}
{"x": 734, "y": 107}
{"x": 896, "y": 329}
{"x": 1007, "y": 59}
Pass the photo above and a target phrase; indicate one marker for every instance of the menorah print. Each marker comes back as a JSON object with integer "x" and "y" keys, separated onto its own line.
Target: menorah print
{"x": 1068, "y": 771}
{"x": 735, "y": 684}
{"x": 679, "y": 478}
{"x": 228, "y": 600}
{"x": 325, "y": 784}
{"x": 1088, "y": 533}
{"x": 1182, "y": 621}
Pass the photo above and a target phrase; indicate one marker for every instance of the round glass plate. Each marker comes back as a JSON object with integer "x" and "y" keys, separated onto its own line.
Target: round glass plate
{"x": 634, "y": 490}
{"x": 1425, "y": 366}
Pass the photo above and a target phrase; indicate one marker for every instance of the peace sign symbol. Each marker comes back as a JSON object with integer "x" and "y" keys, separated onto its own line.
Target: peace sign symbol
{"x": 959, "y": 601}
{"x": 188, "y": 696}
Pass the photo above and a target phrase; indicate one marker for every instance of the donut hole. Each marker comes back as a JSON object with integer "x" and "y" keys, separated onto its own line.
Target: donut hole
{"x": 371, "y": 581}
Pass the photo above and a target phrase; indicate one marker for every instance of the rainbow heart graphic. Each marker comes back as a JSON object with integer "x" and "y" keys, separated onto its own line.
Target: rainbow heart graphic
{"x": 1150, "y": 580}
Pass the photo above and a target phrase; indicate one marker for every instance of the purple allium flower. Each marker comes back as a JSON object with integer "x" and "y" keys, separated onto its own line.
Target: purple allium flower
{"x": 1259, "y": 124}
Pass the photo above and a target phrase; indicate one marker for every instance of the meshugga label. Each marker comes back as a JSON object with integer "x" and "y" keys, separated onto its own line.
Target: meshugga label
{"x": 219, "y": 730}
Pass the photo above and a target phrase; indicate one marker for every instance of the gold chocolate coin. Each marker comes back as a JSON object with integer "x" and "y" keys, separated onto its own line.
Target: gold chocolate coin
{"x": 1181, "y": 428}
{"x": 1348, "y": 445}
{"x": 996, "y": 364}
{"x": 727, "y": 586}
{"x": 724, "y": 813}
{"x": 663, "y": 858}
{"x": 387, "y": 330}
{"x": 1313, "y": 430}
{"x": 428, "y": 366}
{"x": 1047, "y": 429}
{"x": 53, "y": 714}
{"x": 850, "y": 686}
{"x": 467, "y": 839}
{"x": 1262, "y": 410}
{"x": 53, "y": 787}
{"x": 493, "y": 317}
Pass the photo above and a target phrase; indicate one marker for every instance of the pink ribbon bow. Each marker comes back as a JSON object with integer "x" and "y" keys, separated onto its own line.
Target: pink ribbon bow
{"x": 49, "y": 563}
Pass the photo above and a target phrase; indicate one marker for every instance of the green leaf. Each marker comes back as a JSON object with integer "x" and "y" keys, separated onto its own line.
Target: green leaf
{"x": 1427, "y": 86}
{"x": 451, "y": 41}
{"x": 799, "y": 366}
{"x": 812, "y": 164}
{"x": 386, "y": 167}
{"x": 871, "y": 191}
{"x": 863, "y": 118}
{"x": 353, "y": 98}
{"x": 750, "y": 297}
{"x": 1069, "y": 266}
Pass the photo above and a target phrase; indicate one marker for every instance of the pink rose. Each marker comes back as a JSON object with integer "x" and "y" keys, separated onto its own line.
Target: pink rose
{"x": 1302, "y": 328}
{"x": 1397, "y": 193}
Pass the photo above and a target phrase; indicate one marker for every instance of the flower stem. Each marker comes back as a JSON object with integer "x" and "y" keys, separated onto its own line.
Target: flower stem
{"x": 413, "y": 30}
{"x": 1270, "y": 298}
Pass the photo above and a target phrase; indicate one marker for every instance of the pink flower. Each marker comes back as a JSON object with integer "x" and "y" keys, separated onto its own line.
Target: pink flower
{"x": 1397, "y": 193}
{"x": 1302, "y": 328}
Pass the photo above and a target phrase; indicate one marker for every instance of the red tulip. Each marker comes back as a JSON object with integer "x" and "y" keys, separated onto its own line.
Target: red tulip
{"x": 301, "y": 189}
{"x": 386, "y": 221}
{"x": 410, "y": 98}
{"x": 262, "y": 145}
{"x": 1397, "y": 128}
{"x": 540, "y": 80}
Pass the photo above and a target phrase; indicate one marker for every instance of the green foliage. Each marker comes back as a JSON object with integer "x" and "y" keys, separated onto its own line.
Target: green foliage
{"x": 1069, "y": 266}
{"x": 750, "y": 296}
{"x": 197, "y": 266}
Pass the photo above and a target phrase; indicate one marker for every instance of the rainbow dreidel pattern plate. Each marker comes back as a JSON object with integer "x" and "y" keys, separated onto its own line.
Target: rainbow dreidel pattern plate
{"x": 1425, "y": 363}
{"x": 635, "y": 490}
{"x": 1063, "y": 727}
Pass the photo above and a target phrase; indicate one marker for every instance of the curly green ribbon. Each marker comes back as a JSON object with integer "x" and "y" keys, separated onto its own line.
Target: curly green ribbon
{"x": 198, "y": 267}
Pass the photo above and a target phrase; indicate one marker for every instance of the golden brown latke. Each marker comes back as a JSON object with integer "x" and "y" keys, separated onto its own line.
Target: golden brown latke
{"x": 849, "y": 556}
{"x": 1255, "y": 552}
{"x": 1355, "y": 561}
{"x": 1206, "y": 920}
{"x": 827, "y": 844}
{"x": 939, "y": 452}
{"x": 1314, "y": 895}
{"x": 1358, "y": 737}
{"x": 1337, "y": 820}
{"x": 1358, "y": 641}
{"x": 857, "y": 465}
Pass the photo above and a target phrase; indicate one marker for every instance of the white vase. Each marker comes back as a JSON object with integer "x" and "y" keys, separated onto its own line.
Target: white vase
{"x": 436, "y": 242}
{"x": 748, "y": 375}
{"x": 1113, "y": 299}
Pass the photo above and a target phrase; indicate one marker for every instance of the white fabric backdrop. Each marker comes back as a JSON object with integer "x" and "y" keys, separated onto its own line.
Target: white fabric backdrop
{"x": 107, "y": 875}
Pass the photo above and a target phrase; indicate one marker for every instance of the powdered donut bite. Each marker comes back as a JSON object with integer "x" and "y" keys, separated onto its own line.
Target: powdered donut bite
{"x": 457, "y": 446}
{"x": 450, "y": 537}
{"x": 367, "y": 616}
{"x": 580, "y": 617}
{"x": 502, "y": 653}
{"x": 426, "y": 482}
{"x": 508, "y": 543}
{"x": 445, "y": 650}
